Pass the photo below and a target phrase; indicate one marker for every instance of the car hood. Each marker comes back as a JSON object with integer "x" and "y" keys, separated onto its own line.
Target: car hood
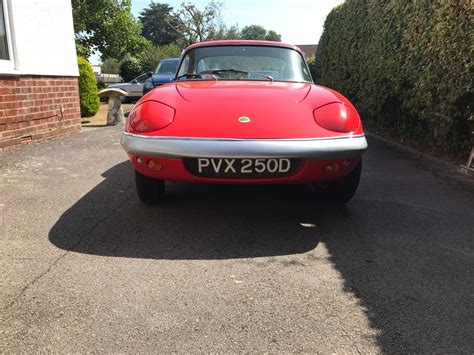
{"x": 248, "y": 92}
{"x": 162, "y": 78}
{"x": 274, "y": 109}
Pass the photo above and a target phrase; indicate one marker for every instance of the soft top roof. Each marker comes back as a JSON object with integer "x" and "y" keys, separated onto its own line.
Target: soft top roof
{"x": 243, "y": 43}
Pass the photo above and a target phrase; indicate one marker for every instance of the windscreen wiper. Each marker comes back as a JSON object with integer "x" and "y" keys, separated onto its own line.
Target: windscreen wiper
{"x": 269, "y": 77}
{"x": 219, "y": 71}
{"x": 189, "y": 76}
{"x": 199, "y": 76}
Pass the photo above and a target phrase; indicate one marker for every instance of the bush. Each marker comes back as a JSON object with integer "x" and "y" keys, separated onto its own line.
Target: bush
{"x": 130, "y": 68}
{"x": 89, "y": 98}
{"x": 406, "y": 66}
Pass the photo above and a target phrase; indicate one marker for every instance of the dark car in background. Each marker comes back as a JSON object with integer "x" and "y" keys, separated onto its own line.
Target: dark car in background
{"x": 164, "y": 74}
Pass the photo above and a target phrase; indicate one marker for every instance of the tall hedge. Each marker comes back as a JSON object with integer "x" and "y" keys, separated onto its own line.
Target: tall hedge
{"x": 406, "y": 65}
{"x": 88, "y": 92}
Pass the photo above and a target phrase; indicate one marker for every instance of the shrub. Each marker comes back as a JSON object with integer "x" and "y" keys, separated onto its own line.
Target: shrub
{"x": 130, "y": 68}
{"x": 89, "y": 98}
{"x": 406, "y": 66}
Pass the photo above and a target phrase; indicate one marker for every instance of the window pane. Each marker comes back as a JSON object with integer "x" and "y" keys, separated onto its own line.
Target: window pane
{"x": 246, "y": 62}
{"x": 3, "y": 35}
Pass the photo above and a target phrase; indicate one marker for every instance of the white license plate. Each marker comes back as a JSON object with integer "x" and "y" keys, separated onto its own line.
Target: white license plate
{"x": 230, "y": 167}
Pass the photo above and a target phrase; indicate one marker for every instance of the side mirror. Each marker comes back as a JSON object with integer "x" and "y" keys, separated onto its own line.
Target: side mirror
{"x": 134, "y": 81}
{"x": 149, "y": 74}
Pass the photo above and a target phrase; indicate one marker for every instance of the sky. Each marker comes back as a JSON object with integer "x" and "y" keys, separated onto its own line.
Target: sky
{"x": 298, "y": 21}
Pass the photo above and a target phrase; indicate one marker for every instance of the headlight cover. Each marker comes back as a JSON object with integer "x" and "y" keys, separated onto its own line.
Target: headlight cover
{"x": 151, "y": 116}
{"x": 337, "y": 117}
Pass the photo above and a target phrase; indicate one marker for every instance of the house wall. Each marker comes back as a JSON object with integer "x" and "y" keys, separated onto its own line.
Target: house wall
{"x": 37, "y": 107}
{"x": 42, "y": 38}
{"x": 39, "y": 95}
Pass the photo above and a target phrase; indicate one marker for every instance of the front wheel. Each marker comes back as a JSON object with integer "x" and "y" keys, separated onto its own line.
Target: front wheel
{"x": 150, "y": 191}
{"x": 340, "y": 191}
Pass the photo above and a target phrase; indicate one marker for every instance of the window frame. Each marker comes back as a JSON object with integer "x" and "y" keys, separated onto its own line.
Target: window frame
{"x": 8, "y": 66}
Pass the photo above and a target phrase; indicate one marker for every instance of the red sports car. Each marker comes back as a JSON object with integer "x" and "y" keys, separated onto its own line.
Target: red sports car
{"x": 245, "y": 112}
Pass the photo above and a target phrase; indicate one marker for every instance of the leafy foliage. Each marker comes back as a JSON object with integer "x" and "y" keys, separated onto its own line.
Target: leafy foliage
{"x": 407, "y": 65}
{"x": 253, "y": 32}
{"x": 89, "y": 98}
{"x": 272, "y": 36}
{"x": 110, "y": 66}
{"x": 150, "y": 58}
{"x": 130, "y": 68}
{"x": 107, "y": 26}
{"x": 257, "y": 32}
{"x": 158, "y": 24}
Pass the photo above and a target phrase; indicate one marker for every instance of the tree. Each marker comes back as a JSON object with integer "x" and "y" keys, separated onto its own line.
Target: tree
{"x": 194, "y": 25}
{"x": 257, "y": 32}
{"x": 233, "y": 32}
{"x": 253, "y": 32}
{"x": 156, "y": 20}
{"x": 106, "y": 26}
{"x": 273, "y": 36}
{"x": 110, "y": 66}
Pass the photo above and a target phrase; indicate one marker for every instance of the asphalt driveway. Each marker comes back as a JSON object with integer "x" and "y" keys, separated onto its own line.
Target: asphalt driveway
{"x": 85, "y": 267}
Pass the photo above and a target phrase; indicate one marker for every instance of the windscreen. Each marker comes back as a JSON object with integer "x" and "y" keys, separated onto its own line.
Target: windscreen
{"x": 167, "y": 67}
{"x": 244, "y": 63}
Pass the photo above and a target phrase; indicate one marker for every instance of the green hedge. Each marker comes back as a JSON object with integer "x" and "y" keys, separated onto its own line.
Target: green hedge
{"x": 88, "y": 92}
{"x": 406, "y": 65}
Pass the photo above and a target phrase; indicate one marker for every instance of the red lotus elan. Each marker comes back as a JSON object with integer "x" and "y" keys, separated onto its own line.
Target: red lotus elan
{"x": 245, "y": 112}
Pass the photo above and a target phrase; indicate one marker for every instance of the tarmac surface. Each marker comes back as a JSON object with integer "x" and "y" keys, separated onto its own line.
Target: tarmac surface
{"x": 84, "y": 266}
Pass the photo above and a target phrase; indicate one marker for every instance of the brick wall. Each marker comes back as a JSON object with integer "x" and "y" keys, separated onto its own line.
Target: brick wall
{"x": 37, "y": 107}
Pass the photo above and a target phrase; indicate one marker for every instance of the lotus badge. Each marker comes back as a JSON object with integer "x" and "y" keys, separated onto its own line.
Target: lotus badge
{"x": 244, "y": 119}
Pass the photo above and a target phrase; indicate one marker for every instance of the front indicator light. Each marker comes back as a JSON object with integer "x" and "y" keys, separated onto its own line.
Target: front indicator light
{"x": 332, "y": 168}
{"x": 155, "y": 165}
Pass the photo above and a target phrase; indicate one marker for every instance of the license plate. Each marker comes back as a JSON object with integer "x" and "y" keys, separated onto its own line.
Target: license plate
{"x": 241, "y": 168}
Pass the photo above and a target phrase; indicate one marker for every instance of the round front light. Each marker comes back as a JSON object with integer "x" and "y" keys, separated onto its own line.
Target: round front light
{"x": 337, "y": 117}
{"x": 151, "y": 116}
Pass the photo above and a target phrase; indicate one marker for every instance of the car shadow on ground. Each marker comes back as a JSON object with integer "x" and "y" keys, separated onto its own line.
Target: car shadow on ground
{"x": 405, "y": 265}
{"x": 193, "y": 222}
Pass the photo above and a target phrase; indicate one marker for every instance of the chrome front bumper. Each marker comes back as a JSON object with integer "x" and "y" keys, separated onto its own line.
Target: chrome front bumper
{"x": 181, "y": 147}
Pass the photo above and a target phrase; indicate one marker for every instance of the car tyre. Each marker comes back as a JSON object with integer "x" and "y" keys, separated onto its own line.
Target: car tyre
{"x": 150, "y": 191}
{"x": 340, "y": 191}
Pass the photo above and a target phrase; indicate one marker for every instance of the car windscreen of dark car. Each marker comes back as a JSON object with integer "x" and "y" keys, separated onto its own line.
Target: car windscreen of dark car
{"x": 167, "y": 67}
{"x": 244, "y": 63}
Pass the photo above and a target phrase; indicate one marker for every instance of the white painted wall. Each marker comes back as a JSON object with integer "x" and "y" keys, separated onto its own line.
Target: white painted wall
{"x": 42, "y": 38}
